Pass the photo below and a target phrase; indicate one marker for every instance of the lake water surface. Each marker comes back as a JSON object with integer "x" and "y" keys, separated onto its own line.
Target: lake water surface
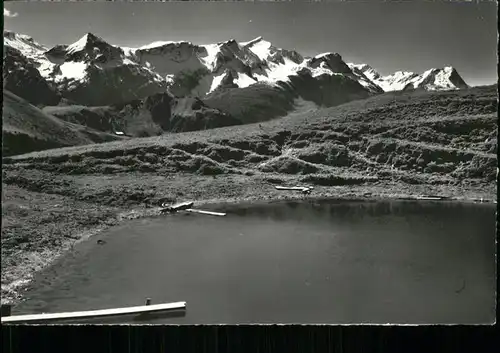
{"x": 302, "y": 262}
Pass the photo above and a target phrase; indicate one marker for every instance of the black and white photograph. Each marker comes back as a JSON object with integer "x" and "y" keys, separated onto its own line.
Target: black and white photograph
{"x": 249, "y": 162}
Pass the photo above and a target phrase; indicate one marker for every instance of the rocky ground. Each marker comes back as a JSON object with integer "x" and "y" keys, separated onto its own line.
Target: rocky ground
{"x": 388, "y": 146}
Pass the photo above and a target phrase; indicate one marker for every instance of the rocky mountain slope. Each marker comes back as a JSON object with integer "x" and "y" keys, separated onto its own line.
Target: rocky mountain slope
{"x": 151, "y": 116}
{"x": 181, "y": 86}
{"x": 93, "y": 72}
{"x": 21, "y": 77}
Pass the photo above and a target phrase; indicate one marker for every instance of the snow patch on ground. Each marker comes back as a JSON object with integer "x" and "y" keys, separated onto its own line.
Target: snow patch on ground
{"x": 127, "y": 61}
{"x": 45, "y": 68}
{"x": 244, "y": 80}
{"x": 261, "y": 48}
{"x": 210, "y": 60}
{"x": 216, "y": 82}
{"x": 280, "y": 72}
{"x": 321, "y": 70}
{"x": 73, "y": 70}
{"x": 365, "y": 83}
{"x": 129, "y": 52}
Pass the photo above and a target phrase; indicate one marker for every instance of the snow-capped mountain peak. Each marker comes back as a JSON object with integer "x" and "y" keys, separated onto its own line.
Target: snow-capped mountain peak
{"x": 88, "y": 40}
{"x": 91, "y": 65}
{"x": 268, "y": 52}
{"x": 329, "y": 61}
{"x": 24, "y": 43}
{"x": 324, "y": 55}
{"x": 366, "y": 70}
{"x": 91, "y": 47}
{"x": 446, "y": 78}
{"x": 260, "y": 47}
{"x": 438, "y": 79}
{"x": 158, "y": 44}
{"x": 13, "y": 37}
{"x": 253, "y": 41}
{"x": 229, "y": 42}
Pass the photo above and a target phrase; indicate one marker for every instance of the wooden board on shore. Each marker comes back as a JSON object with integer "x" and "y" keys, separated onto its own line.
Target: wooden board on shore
{"x": 424, "y": 198}
{"x": 211, "y": 213}
{"x": 182, "y": 206}
{"x": 93, "y": 314}
{"x": 178, "y": 207}
{"x": 428, "y": 198}
{"x": 294, "y": 188}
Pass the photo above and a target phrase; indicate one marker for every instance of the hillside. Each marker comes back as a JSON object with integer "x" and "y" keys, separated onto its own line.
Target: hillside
{"x": 417, "y": 138}
{"x": 170, "y": 87}
{"x": 26, "y": 128}
{"x": 399, "y": 144}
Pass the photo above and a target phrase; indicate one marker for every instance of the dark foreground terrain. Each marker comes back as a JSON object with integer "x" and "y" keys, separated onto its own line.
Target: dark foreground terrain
{"x": 391, "y": 145}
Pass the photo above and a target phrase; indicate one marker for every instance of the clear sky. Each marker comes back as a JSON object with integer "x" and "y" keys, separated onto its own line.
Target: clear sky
{"x": 388, "y": 36}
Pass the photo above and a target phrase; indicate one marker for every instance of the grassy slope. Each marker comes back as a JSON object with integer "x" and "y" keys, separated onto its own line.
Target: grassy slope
{"x": 393, "y": 144}
{"x": 406, "y": 131}
{"x": 26, "y": 128}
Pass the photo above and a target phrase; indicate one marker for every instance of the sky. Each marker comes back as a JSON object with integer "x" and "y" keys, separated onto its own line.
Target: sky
{"x": 388, "y": 36}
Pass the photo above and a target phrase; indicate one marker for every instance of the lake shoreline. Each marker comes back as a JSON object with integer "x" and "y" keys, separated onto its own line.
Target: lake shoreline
{"x": 26, "y": 262}
{"x": 201, "y": 259}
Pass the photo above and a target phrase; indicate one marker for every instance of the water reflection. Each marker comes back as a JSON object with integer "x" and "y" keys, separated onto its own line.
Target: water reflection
{"x": 353, "y": 210}
{"x": 298, "y": 262}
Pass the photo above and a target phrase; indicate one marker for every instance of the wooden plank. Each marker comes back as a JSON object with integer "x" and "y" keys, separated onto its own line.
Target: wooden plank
{"x": 211, "y": 213}
{"x": 299, "y": 188}
{"x": 144, "y": 309}
{"x": 182, "y": 205}
{"x": 178, "y": 207}
{"x": 294, "y": 188}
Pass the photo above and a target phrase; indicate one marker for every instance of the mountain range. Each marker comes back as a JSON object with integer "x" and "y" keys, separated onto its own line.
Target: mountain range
{"x": 181, "y": 86}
